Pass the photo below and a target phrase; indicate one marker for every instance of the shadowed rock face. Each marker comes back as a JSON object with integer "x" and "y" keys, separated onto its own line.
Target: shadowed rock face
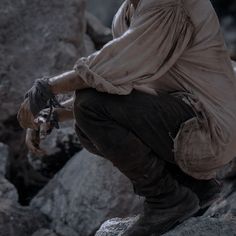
{"x": 85, "y": 193}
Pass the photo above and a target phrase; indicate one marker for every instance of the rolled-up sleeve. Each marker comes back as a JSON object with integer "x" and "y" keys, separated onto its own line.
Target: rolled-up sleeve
{"x": 158, "y": 34}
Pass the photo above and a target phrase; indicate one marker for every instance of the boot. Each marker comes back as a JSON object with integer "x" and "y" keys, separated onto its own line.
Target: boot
{"x": 166, "y": 202}
{"x": 208, "y": 191}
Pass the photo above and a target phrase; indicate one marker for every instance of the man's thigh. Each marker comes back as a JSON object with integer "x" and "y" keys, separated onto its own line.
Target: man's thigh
{"x": 154, "y": 119}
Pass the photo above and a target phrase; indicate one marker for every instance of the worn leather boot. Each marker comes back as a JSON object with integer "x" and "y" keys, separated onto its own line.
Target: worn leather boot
{"x": 158, "y": 218}
{"x": 167, "y": 203}
{"x": 208, "y": 191}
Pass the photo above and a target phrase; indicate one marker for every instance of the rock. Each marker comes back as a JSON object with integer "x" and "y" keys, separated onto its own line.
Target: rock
{"x": 7, "y": 190}
{"x": 104, "y": 10}
{"x": 4, "y": 154}
{"x": 44, "y": 232}
{"x": 99, "y": 33}
{"x": 16, "y": 220}
{"x": 199, "y": 226}
{"x": 37, "y": 38}
{"x": 116, "y": 226}
{"x": 85, "y": 193}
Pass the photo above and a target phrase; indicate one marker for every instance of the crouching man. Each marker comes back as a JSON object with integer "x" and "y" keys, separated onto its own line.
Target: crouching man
{"x": 159, "y": 102}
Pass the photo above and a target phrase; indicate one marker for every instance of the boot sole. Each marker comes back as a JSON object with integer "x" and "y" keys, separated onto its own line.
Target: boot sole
{"x": 194, "y": 209}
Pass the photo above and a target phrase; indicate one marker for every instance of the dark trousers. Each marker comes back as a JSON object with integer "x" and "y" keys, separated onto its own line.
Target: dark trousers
{"x": 135, "y": 132}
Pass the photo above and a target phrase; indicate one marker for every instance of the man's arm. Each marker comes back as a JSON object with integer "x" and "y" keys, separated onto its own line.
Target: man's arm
{"x": 66, "y": 82}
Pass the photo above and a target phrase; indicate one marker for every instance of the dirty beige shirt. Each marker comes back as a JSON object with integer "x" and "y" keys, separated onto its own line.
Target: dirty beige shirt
{"x": 174, "y": 46}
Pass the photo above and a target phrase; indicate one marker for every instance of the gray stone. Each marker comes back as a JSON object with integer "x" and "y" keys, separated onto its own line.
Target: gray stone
{"x": 116, "y": 226}
{"x": 37, "y": 38}
{"x": 16, "y": 220}
{"x": 7, "y": 190}
{"x": 4, "y": 154}
{"x": 85, "y": 193}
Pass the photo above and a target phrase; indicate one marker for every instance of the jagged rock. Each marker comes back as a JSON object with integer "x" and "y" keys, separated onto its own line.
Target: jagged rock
{"x": 85, "y": 193}
{"x": 36, "y": 38}
{"x": 16, "y": 220}
{"x": 116, "y": 226}
{"x": 7, "y": 190}
{"x": 4, "y": 154}
{"x": 45, "y": 232}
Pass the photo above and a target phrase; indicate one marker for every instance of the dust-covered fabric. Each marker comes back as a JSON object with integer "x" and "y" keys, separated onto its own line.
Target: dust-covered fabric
{"x": 174, "y": 46}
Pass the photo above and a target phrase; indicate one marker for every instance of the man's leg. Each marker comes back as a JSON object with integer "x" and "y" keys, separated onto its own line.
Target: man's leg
{"x": 134, "y": 132}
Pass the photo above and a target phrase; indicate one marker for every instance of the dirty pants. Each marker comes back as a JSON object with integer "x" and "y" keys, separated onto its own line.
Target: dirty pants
{"x": 135, "y": 132}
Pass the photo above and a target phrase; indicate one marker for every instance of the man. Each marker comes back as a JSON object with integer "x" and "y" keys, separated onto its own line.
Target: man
{"x": 159, "y": 102}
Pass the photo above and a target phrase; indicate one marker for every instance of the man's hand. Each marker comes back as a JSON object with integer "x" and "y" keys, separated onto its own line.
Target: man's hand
{"x": 32, "y": 141}
{"x": 25, "y": 117}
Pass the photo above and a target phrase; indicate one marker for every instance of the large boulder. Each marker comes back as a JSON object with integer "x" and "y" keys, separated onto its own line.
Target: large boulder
{"x": 85, "y": 193}
{"x": 37, "y": 38}
{"x": 16, "y": 220}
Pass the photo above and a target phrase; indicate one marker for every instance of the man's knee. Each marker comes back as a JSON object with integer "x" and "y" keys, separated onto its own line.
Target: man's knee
{"x": 85, "y": 104}
{"x": 85, "y": 98}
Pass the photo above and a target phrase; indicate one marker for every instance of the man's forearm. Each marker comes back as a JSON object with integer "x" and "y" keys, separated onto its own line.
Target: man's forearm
{"x": 66, "y": 82}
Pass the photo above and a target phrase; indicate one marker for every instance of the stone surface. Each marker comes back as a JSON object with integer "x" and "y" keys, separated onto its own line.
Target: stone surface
{"x": 85, "y": 193}
{"x": 37, "y": 38}
{"x": 116, "y": 226}
{"x": 4, "y": 154}
{"x": 7, "y": 190}
{"x": 19, "y": 221}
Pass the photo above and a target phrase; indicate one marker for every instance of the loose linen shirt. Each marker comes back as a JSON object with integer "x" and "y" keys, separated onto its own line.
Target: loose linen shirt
{"x": 174, "y": 46}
